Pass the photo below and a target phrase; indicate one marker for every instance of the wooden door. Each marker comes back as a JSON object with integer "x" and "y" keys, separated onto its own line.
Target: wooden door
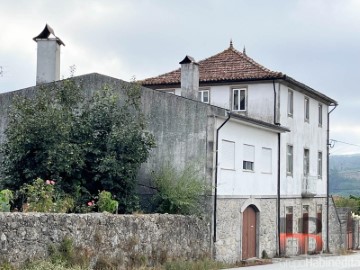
{"x": 305, "y": 234}
{"x": 249, "y": 233}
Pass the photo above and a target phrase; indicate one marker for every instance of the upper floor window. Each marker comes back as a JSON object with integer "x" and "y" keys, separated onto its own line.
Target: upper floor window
{"x": 289, "y": 159}
{"x": 320, "y": 115}
{"x": 239, "y": 99}
{"x": 320, "y": 164}
{"x": 290, "y": 102}
{"x": 204, "y": 96}
{"x": 228, "y": 155}
{"x": 248, "y": 157}
{"x": 307, "y": 109}
{"x": 306, "y": 162}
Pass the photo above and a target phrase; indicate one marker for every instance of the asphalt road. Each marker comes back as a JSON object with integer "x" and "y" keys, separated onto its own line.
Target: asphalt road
{"x": 345, "y": 262}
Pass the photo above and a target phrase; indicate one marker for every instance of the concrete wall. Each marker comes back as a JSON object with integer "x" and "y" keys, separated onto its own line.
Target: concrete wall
{"x": 152, "y": 238}
{"x": 183, "y": 128}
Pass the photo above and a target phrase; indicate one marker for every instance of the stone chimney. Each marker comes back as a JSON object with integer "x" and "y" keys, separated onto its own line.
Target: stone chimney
{"x": 189, "y": 78}
{"x": 48, "y": 56}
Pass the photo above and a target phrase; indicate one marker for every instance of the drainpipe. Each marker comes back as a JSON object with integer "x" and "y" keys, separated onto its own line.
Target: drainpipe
{"x": 216, "y": 172}
{"x": 328, "y": 178}
{"x": 278, "y": 173}
{"x": 278, "y": 195}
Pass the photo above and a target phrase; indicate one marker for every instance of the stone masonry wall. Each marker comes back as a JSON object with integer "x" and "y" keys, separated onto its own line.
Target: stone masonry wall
{"x": 152, "y": 237}
{"x": 229, "y": 227}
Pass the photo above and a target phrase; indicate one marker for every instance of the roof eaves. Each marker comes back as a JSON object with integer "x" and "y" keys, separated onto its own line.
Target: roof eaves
{"x": 261, "y": 123}
{"x": 310, "y": 90}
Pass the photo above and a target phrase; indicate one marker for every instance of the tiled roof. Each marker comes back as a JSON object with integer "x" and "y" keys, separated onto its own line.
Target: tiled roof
{"x": 229, "y": 65}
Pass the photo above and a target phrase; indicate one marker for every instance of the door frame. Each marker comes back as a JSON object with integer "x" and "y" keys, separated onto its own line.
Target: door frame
{"x": 256, "y": 205}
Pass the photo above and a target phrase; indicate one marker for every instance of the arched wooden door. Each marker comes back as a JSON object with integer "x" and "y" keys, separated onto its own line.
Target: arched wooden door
{"x": 249, "y": 233}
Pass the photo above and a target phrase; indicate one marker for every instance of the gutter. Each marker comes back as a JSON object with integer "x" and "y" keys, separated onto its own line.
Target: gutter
{"x": 327, "y": 177}
{"x": 216, "y": 171}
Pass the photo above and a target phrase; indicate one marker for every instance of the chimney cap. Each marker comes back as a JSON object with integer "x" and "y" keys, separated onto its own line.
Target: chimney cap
{"x": 46, "y": 33}
{"x": 188, "y": 59}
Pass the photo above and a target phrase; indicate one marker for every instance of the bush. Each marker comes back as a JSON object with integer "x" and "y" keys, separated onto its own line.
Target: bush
{"x": 6, "y": 197}
{"x": 41, "y": 196}
{"x": 106, "y": 203}
{"x": 179, "y": 192}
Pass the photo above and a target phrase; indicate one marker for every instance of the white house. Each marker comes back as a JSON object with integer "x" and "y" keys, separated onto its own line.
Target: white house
{"x": 287, "y": 194}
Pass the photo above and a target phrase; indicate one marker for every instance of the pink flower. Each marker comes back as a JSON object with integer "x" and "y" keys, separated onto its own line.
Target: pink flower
{"x": 90, "y": 203}
{"x": 48, "y": 182}
{"x": 52, "y": 182}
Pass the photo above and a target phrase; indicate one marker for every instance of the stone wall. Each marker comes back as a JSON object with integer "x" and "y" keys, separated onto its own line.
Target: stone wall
{"x": 228, "y": 245}
{"x": 152, "y": 238}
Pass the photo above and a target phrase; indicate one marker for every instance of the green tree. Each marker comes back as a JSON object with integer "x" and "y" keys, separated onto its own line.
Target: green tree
{"x": 85, "y": 144}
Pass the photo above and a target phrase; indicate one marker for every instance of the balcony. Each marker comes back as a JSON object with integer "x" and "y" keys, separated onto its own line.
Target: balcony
{"x": 308, "y": 188}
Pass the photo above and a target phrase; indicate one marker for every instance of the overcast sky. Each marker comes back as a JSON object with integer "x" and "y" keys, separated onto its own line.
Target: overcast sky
{"x": 316, "y": 42}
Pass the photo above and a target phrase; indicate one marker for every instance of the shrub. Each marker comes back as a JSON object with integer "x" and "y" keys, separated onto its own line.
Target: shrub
{"x": 6, "y": 197}
{"x": 179, "y": 192}
{"x": 41, "y": 196}
{"x": 106, "y": 203}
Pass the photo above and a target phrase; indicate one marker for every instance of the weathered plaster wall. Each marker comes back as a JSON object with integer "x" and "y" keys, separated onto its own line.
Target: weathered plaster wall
{"x": 151, "y": 237}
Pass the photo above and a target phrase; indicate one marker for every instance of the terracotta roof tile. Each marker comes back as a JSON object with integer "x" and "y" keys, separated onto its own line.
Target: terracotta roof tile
{"x": 229, "y": 65}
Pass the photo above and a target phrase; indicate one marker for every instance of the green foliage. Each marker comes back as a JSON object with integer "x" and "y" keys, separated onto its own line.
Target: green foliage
{"x": 106, "y": 202}
{"x": 6, "y": 197}
{"x": 41, "y": 196}
{"x": 86, "y": 144}
{"x": 352, "y": 202}
{"x": 68, "y": 255}
{"x": 179, "y": 192}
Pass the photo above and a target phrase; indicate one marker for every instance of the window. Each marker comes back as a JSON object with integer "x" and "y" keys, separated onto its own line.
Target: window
{"x": 320, "y": 115}
{"x": 228, "y": 155}
{"x": 318, "y": 218}
{"x": 204, "y": 96}
{"x": 307, "y": 109}
{"x": 305, "y": 219}
{"x": 306, "y": 162}
{"x": 248, "y": 158}
{"x": 289, "y": 159}
{"x": 239, "y": 99}
{"x": 290, "y": 103}
{"x": 319, "y": 164}
{"x": 289, "y": 219}
{"x": 266, "y": 163}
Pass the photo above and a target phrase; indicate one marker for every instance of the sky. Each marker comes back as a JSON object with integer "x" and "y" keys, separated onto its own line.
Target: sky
{"x": 317, "y": 42}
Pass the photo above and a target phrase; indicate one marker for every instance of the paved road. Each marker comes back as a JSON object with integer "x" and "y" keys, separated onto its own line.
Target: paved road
{"x": 346, "y": 262}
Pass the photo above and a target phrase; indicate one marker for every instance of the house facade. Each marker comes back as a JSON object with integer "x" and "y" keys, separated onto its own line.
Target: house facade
{"x": 291, "y": 186}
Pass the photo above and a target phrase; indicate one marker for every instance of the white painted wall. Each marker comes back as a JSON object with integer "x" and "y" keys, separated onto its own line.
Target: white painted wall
{"x": 303, "y": 135}
{"x": 48, "y": 61}
{"x": 233, "y": 180}
{"x": 260, "y": 105}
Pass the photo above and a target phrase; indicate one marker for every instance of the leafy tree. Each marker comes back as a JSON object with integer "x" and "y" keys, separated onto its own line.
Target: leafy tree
{"x": 85, "y": 144}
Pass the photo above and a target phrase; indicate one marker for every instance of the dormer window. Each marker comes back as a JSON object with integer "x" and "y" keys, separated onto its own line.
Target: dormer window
{"x": 239, "y": 99}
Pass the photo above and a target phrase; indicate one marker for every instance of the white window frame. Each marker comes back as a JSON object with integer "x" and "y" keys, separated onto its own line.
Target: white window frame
{"x": 201, "y": 95}
{"x": 290, "y": 102}
{"x": 320, "y": 164}
{"x": 289, "y": 160}
{"x": 306, "y": 161}
{"x": 239, "y": 90}
{"x": 307, "y": 109}
{"x": 249, "y": 162}
{"x": 263, "y": 169}
{"x": 320, "y": 111}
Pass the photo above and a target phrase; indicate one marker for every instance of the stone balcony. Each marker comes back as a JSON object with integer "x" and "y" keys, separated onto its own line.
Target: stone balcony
{"x": 308, "y": 186}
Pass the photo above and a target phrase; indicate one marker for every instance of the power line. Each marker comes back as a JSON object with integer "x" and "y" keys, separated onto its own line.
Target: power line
{"x": 352, "y": 144}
